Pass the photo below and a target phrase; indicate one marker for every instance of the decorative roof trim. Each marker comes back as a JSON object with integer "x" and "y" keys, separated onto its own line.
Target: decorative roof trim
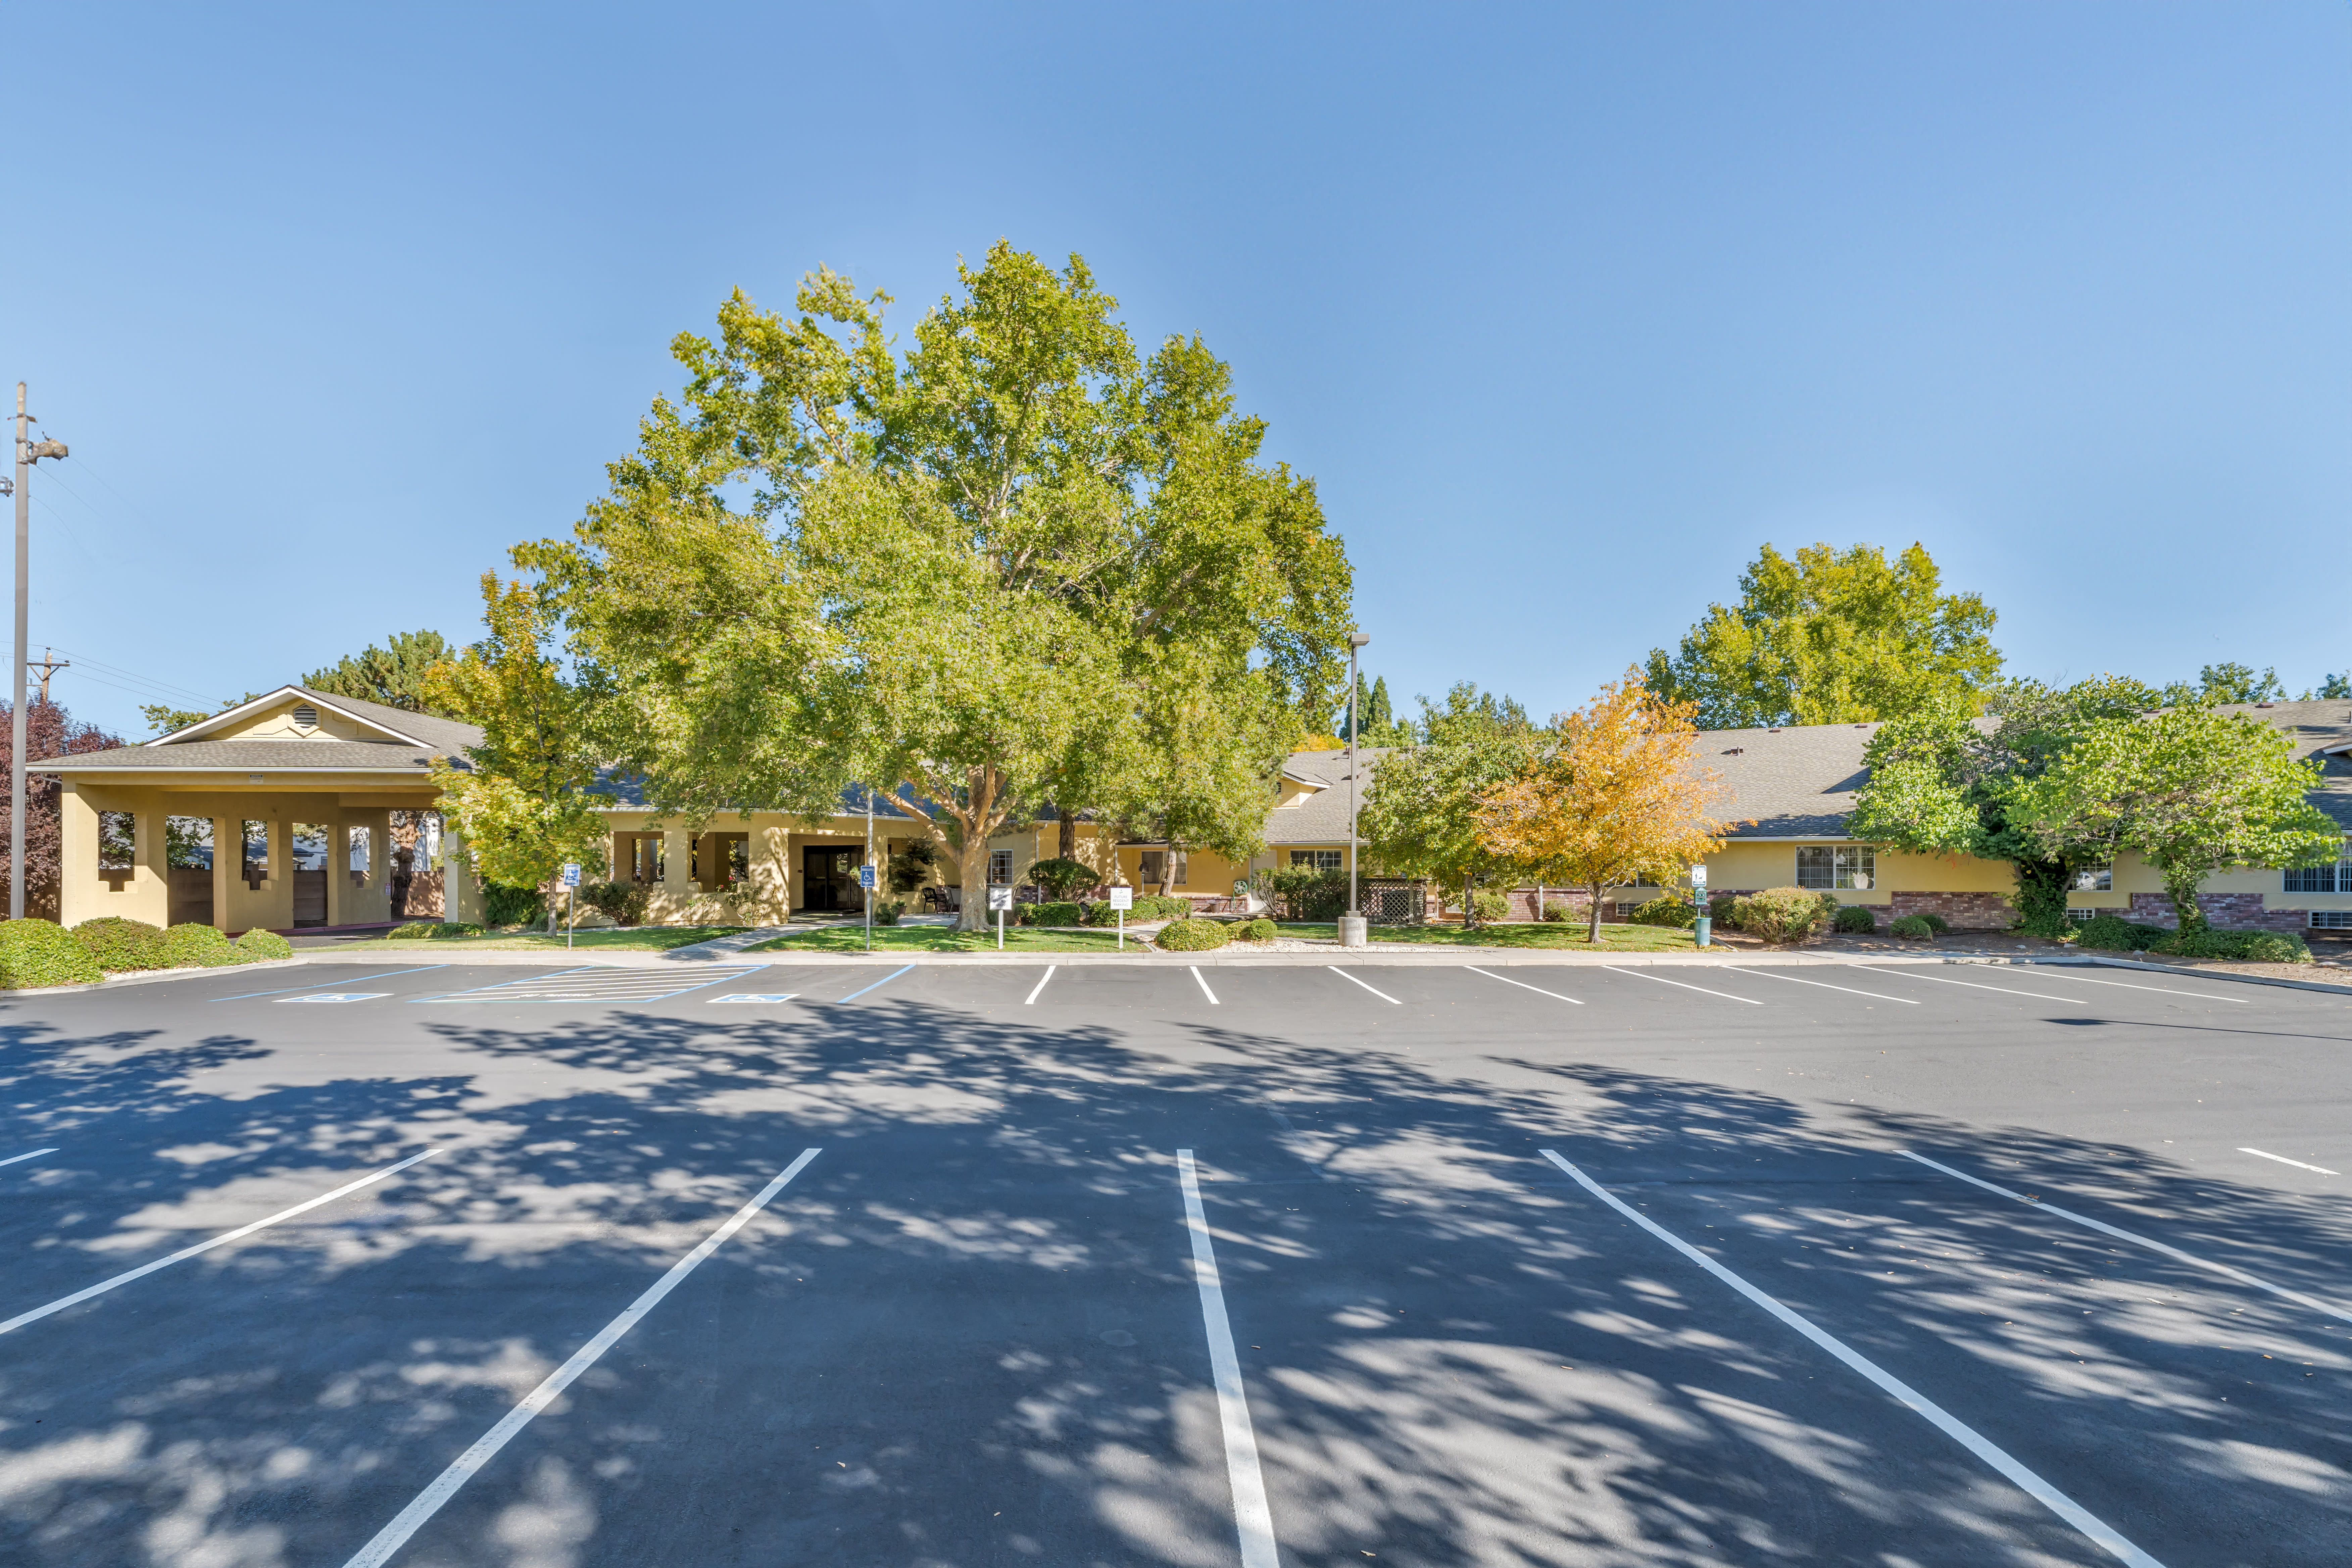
{"x": 202, "y": 725}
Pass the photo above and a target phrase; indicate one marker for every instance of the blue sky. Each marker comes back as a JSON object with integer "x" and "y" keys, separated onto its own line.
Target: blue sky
{"x": 1567, "y": 308}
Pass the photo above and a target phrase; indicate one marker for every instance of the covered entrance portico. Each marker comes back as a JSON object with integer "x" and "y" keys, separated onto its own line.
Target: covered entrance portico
{"x": 275, "y": 815}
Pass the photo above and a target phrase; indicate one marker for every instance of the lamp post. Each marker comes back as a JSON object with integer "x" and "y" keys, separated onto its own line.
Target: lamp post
{"x": 1352, "y": 924}
{"x": 29, "y": 452}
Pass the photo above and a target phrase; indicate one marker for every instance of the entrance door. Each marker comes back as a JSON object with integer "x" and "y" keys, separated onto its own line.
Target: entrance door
{"x": 829, "y": 878}
{"x": 310, "y": 851}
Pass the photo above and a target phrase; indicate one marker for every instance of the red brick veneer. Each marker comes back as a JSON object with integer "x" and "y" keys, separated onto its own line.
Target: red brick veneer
{"x": 1966, "y": 911}
{"x": 2223, "y": 912}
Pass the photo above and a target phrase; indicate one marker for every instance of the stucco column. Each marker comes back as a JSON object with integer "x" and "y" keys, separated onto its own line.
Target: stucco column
{"x": 77, "y": 884}
{"x": 278, "y": 893}
{"x": 677, "y": 883}
{"x": 461, "y": 892}
{"x": 151, "y": 878}
{"x": 771, "y": 868}
{"x": 228, "y": 855}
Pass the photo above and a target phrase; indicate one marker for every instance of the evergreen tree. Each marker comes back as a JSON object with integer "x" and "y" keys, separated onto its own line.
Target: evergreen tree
{"x": 394, "y": 675}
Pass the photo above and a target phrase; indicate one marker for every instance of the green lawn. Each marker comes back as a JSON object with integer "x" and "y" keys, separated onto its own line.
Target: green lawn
{"x": 1613, "y": 937}
{"x": 943, "y": 939}
{"x": 634, "y": 939}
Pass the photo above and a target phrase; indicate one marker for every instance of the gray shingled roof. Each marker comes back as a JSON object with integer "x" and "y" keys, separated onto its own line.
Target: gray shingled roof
{"x": 1321, "y": 817}
{"x": 2315, "y": 727}
{"x": 247, "y": 756}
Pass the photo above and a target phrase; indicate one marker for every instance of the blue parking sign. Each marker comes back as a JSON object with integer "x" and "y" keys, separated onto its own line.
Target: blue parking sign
{"x": 865, "y": 878}
{"x": 572, "y": 873}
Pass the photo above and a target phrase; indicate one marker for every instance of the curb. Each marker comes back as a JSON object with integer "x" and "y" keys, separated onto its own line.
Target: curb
{"x": 143, "y": 977}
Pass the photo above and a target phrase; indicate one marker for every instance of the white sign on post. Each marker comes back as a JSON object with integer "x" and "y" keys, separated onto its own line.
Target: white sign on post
{"x": 572, "y": 873}
{"x": 1122, "y": 898}
{"x": 1000, "y": 897}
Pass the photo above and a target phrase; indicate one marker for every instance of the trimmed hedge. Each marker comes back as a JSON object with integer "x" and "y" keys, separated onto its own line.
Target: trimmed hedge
{"x": 426, "y": 930}
{"x": 1063, "y": 912}
{"x": 2113, "y": 934}
{"x": 1856, "y": 919}
{"x": 505, "y": 906}
{"x": 1259, "y": 929}
{"x": 120, "y": 945}
{"x": 35, "y": 952}
{"x": 1935, "y": 922}
{"x": 258, "y": 943}
{"x": 1667, "y": 910}
{"x": 1557, "y": 910}
{"x": 2239, "y": 946}
{"x": 1912, "y": 928}
{"x": 192, "y": 945}
{"x": 1192, "y": 936}
{"x": 1782, "y": 914}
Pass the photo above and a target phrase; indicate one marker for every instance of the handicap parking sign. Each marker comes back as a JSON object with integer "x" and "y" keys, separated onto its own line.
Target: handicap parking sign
{"x": 572, "y": 873}
{"x": 865, "y": 878}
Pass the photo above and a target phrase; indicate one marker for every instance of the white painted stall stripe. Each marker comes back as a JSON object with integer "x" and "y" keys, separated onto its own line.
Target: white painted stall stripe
{"x": 362, "y": 980}
{"x": 33, "y": 1156}
{"x": 1345, "y": 975}
{"x": 884, "y": 981}
{"x": 2167, "y": 990}
{"x": 1874, "y": 996}
{"x": 1203, "y": 983}
{"x": 1966, "y": 1436}
{"x": 1040, "y": 986}
{"x": 597, "y": 983}
{"x": 2104, "y": 1228}
{"x": 103, "y": 1285}
{"x": 751, "y": 996}
{"x": 332, "y": 996}
{"x": 393, "y": 1536}
{"x": 1701, "y": 989}
{"x": 2263, "y": 1153}
{"x": 1253, "y": 1520}
{"x": 1974, "y": 986}
{"x": 1521, "y": 984}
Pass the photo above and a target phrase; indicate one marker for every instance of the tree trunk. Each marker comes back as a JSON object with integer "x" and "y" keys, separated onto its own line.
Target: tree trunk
{"x": 2182, "y": 889}
{"x": 2041, "y": 895}
{"x": 973, "y": 869}
{"x": 1593, "y": 926}
{"x": 1469, "y": 902}
{"x": 1065, "y": 839}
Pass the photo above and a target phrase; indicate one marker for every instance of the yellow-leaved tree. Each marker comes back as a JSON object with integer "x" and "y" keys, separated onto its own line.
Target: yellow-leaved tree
{"x": 1610, "y": 796}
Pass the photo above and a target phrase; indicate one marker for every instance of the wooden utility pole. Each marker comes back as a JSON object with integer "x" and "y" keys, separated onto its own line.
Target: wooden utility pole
{"x": 50, "y": 664}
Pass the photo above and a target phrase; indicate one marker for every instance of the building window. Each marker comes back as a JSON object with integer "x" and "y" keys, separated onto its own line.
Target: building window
{"x": 2081, "y": 915}
{"x": 188, "y": 843}
{"x": 640, "y": 858}
{"x": 255, "y": 863}
{"x": 358, "y": 854}
{"x": 2095, "y": 880}
{"x": 1000, "y": 868}
{"x": 2331, "y": 919}
{"x": 1316, "y": 859}
{"x": 307, "y": 847}
{"x": 1833, "y": 865}
{"x": 2335, "y": 878}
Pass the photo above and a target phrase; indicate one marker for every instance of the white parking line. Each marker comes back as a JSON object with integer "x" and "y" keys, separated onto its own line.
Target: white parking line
{"x": 1041, "y": 983}
{"x": 1253, "y": 1521}
{"x": 33, "y": 1156}
{"x": 750, "y": 996}
{"x": 1701, "y": 989}
{"x": 248, "y": 995}
{"x": 1775, "y": 974}
{"x": 2037, "y": 995}
{"x": 334, "y": 997}
{"x": 461, "y": 1469}
{"x": 103, "y": 1285}
{"x": 2042, "y": 1491}
{"x": 1521, "y": 984}
{"x": 2167, "y": 990}
{"x": 1345, "y": 975}
{"x": 878, "y": 985}
{"x": 2314, "y": 1302}
{"x": 2280, "y": 1158}
{"x": 1204, "y": 984}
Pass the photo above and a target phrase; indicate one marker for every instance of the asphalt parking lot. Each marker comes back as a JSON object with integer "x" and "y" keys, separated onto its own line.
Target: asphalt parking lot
{"x": 1150, "y": 1264}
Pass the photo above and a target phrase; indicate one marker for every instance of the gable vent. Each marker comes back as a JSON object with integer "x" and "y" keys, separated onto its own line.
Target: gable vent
{"x": 307, "y": 716}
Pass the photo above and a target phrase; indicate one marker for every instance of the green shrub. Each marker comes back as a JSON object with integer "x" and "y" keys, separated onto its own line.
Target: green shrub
{"x": 1557, "y": 910}
{"x": 1912, "y": 928}
{"x": 427, "y": 930}
{"x": 2238, "y": 946}
{"x": 1486, "y": 906}
{"x": 913, "y": 866}
{"x": 259, "y": 943}
{"x": 1783, "y": 914}
{"x": 1667, "y": 910}
{"x": 1060, "y": 913}
{"x": 622, "y": 903}
{"x": 505, "y": 906}
{"x": 1192, "y": 936}
{"x": 1063, "y": 879}
{"x": 35, "y": 952}
{"x": 1259, "y": 929}
{"x": 197, "y": 946}
{"x": 2113, "y": 934}
{"x": 1723, "y": 908}
{"x": 887, "y": 911}
{"x": 1935, "y": 922}
{"x": 1855, "y": 919}
{"x": 1160, "y": 907}
{"x": 1303, "y": 893}
{"x": 120, "y": 945}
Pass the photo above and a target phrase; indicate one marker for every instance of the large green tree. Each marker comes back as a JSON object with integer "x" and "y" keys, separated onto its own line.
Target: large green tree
{"x": 524, "y": 799}
{"x": 1421, "y": 817}
{"x": 393, "y": 675}
{"x": 1943, "y": 781}
{"x": 2193, "y": 790}
{"x": 1832, "y": 636}
{"x": 1017, "y": 562}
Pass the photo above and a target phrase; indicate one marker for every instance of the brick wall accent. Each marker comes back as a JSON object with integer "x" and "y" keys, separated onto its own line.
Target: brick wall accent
{"x": 1523, "y": 902}
{"x": 1966, "y": 911}
{"x": 2223, "y": 912}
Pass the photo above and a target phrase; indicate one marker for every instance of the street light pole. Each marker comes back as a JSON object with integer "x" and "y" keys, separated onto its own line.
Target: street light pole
{"x": 27, "y": 454}
{"x": 1352, "y": 932}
